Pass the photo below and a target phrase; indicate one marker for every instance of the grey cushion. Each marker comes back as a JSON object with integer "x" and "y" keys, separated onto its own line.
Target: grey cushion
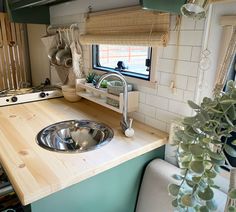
{"x": 154, "y": 197}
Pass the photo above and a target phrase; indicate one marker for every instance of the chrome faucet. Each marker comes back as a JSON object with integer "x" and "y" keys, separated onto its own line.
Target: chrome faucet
{"x": 125, "y": 124}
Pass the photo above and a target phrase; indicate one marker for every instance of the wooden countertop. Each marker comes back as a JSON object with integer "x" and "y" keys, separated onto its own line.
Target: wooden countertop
{"x": 35, "y": 172}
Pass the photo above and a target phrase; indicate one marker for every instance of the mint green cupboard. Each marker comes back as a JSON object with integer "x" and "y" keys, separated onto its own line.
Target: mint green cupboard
{"x": 115, "y": 190}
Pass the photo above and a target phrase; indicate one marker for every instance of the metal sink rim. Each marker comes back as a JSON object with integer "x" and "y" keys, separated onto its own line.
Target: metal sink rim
{"x": 77, "y": 150}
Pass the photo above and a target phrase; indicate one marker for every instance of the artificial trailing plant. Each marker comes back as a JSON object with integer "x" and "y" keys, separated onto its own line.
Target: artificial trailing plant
{"x": 201, "y": 144}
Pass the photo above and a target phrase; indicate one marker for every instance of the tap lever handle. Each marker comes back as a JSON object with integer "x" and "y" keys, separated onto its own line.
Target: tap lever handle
{"x": 130, "y": 123}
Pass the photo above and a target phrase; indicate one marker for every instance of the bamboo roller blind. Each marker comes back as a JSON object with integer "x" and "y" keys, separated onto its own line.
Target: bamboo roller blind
{"x": 132, "y": 26}
{"x": 12, "y": 54}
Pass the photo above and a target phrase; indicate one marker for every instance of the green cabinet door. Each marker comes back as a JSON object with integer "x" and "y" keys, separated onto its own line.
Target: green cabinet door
{"x": 171, "y": 6}
{"x": 36, "y": 15}
{"x": 115, "y": 190}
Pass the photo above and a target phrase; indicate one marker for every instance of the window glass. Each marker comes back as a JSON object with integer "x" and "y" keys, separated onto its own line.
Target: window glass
{"x": 130, "y": 60}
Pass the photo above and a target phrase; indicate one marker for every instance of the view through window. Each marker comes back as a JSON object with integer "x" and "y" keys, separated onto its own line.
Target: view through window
{"x": 130, "y": 60}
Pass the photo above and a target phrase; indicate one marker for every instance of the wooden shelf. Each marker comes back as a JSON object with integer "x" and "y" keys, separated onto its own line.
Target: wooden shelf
{"x": 88, "y": 91}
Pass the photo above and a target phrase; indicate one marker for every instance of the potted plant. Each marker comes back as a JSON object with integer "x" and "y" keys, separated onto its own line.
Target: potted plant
{"x": 201, "y": 146}
{"x": 90, "y": 77}
{"x": 89, "y": 80}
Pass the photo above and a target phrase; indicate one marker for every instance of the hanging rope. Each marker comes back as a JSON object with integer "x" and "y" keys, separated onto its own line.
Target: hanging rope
{"x": 177, "y": 29}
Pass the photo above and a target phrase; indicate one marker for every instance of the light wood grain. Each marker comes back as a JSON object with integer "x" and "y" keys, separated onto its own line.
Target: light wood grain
{"x": 12, "y": 54}
{"x": 36, "y": 173}
{"x": 228, "y": 20}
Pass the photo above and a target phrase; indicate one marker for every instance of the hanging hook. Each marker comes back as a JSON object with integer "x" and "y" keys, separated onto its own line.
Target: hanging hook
{"x": 68, "y": 36}
{"x": 60, "y": 36}
{"x": 48, "y": 28}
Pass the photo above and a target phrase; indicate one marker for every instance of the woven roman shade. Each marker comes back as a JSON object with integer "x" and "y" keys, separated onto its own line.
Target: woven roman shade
{"x": 129, "y": 26}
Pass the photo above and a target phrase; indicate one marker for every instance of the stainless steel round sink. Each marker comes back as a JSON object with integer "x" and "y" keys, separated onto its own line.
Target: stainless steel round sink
{"x": 74, "y": 136}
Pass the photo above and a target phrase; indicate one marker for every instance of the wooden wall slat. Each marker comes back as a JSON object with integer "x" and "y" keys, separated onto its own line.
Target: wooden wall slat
{"x": 21, "y": 50}
{"x": 12, "y": 54}
{"x": 3, "y": 79}
{"x": 6, "y": 53}
{"x": 14, "y": 48}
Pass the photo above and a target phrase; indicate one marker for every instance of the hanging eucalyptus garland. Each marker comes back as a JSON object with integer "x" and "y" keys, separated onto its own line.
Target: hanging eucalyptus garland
{"x": 200, "y": 151}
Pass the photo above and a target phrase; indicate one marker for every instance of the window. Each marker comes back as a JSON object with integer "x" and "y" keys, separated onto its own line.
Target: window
{"x": 133, "y": 61}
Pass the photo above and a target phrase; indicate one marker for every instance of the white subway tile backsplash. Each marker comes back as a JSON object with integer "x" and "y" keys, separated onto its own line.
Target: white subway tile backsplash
{"x": 166, "y": 91}
{"x": 187, "y": 68}
{"x": 181, "y": 81}
{"x": 142, "y": 97}
{"x": 187, "y": 24}
{"x": 147, "y": 110}
{"x": 184, "y": 52}
{"x": 166, "y": 65}
{"x": 192, "y": 38}
{"x": 155, "y": 123}
{"x": 165, "y": 78}
{"x": 148, "y": 90}
{"x": 166, "y": 116}
{"x": 138, "y": 116}
{"x": 180, "y": 108}
{"x": 196, "y": 52}
{"x": 192, "y": 82}
{"x": 172, "y": 38}
{"x": 177, "y": 52}
{"x": 188, "y": 95}
{"x": 173, "y": 22}
{"x": 200, "y": 24}
{"x": 169, "y": 52}
{"x": 157, "y": 101}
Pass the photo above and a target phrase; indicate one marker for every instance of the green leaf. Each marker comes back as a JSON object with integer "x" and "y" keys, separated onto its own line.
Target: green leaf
{"x": 231, "y": 112}
{"x": 205, "y": 114}
{"x": 229, "y": 121}
{"x": 216, "y": 111}
{"x": 202, "y": 185}
{"x": 229, "y": 150}
{"x": 232, "y": 194}
{"x": 175, "y": 203}
{"x": 201, "y": 118}
{"x": 215, "y": 155}
{"x": 196, "y": 149}
{"x": 190, "y": 183}
{"x": 210, "y": 174}
{"x": 177, "y": 177}
{"x": 210, "y": 181}
{"x": 184, "y": 147}
{"x": 184, "y": 164}
{"x": 228, "y": 101}
{"x": 231, "y": 209}
{"x": 193, "y": 105}
{"x": 215, "y": 186}
{"x": 206, "y": 140}
{"x": 217, "y": 162}
{"x": 189, "y": 120}
{"x": 211, "y": 204}
{"x": 197, "y": 167}
{"x": 217, "y": 168}
{"x": 207, "y": 194}
{"x": 173, "y": 189}
{"x": 187, "y": 200}
{"x": 196, "y": 179}
{"x": 203, "y": 209}
{"x": 233, "y": 142}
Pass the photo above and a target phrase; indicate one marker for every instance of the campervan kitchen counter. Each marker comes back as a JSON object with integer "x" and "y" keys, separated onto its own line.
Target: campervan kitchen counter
{"x": 36, "y": 173}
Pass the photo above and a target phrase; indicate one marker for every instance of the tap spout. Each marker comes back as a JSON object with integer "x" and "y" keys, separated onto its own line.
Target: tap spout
{"x": 125, "y": 123}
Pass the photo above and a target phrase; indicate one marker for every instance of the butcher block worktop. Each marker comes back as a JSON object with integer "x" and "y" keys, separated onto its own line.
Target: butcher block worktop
{"x": 35, "y": 172}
